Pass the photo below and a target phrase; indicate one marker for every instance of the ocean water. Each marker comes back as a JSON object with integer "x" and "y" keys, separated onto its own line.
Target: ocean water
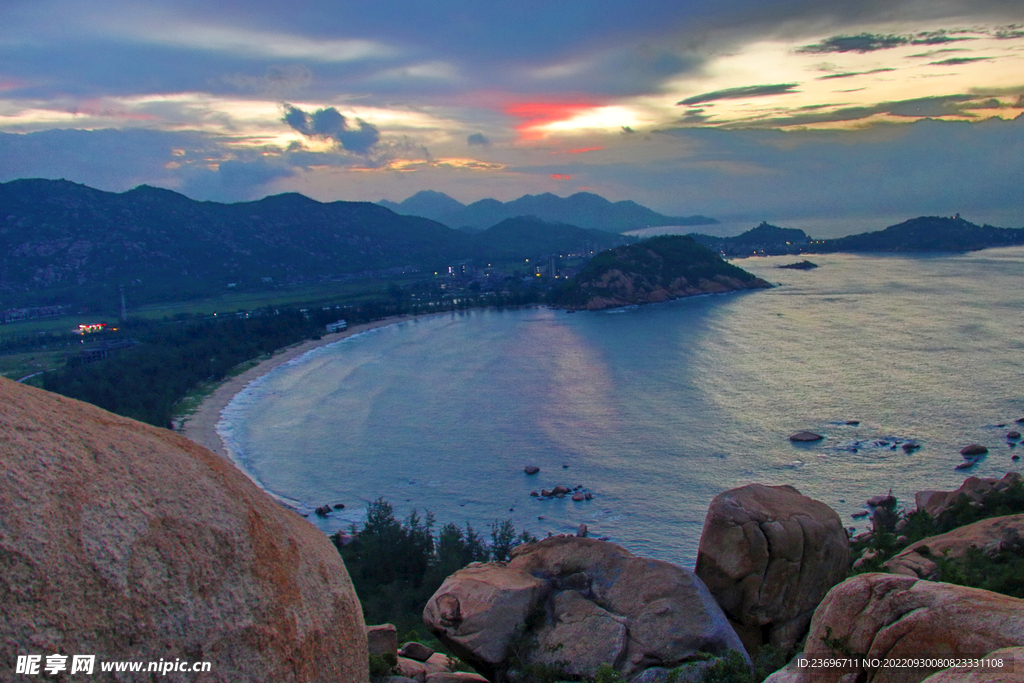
{"x": 656, "y": 409}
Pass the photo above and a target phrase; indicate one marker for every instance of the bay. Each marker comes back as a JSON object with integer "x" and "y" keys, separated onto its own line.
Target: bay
{"x": 655, "y": 409}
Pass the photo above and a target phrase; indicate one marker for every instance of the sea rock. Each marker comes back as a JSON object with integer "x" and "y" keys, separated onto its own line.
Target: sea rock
{"x": 381, "y": 639}
{"x": 1009, "y": 670}
{"x": 997, "y": 534}
{"x": 889, "y": 616}
{"x": 769, "y": 555}
{"x": 576, "y": 603}
{"x": 560, "y": 490}
{"x": 531, "y": 469}
{"x": 975, "y": 488}
{"x": 1013, "y": 435}
{"x": 805, "y": 437}
{"x": 578, "y": 497}
{"x": 134, "y": 543}
{"x": 973, "y": 450}
{"x": 417, "y": 651}
{"x": 875, "y": 501}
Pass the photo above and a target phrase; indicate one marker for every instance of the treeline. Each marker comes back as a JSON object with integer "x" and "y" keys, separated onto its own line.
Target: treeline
{"x": 147, "y": 381}
{"x": 396, "y": 566}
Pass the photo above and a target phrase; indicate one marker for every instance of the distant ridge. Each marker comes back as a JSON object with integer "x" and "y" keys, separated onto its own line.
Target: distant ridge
{"x": 583, "y": 209}
{"x": 923, "y": 234}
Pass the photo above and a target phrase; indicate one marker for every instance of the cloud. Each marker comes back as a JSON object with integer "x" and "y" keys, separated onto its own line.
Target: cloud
{"x": 741, "y": 93}
{"x": 277, "y": 79}
{"x": 863, "y": 42}
{"x": 478, "y": 139}
{"x": 870, "y": 42}
{"x": 953, "y": 61}
{"x": 330, "y": 124}
{"x": 851, "y": 74}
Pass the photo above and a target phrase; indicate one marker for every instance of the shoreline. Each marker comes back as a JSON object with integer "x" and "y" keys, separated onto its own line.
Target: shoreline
{"x": 201, "y": 426}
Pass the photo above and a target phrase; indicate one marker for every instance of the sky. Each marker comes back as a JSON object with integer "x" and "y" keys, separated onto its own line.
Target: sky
{"x": 744, "y": 110}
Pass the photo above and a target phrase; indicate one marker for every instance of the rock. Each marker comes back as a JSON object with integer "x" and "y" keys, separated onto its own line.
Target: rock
{"x": 790, "y": 673}
{"x": 132, "y": 542}
{"x": 417, "y": 651}
{"x": 805, "y": 436}
{"x": 910, "y": 446}
{"x": 339, "y": 506}
{"x": 975, "y": 488}
{"x": 690, "y": 672}
{"x": 965, "y": 465}
{"x": 588, "y": 496}
{"x": 973, "y": 450}
{"x": 546, "y": 493}
{"x": 381, "y": 639}
{"x": 889, "y": 616}
{"x": 534, "y": 494}
{"x": 531, "y": 469}
{"x": 323, "y": 510}
{"x": 576, "y": 603}
{"x": 769, "y": 555}
{"x": 560, "y": 490}
{"x": 455, "y": 677}
{"x": 411, "y": 668}
{"x": 875, "y": 501}
{"x": 917, "y": 559}
{"x": 476, "y": 612}
{"x": 1011, "y": 658}
{"x": 1013, "y": 435}
{"x": 581, "y": 530}
{"x": 400, "y": 679}
{"x": 578, "y": 497}
{"x": 439, "y": 663}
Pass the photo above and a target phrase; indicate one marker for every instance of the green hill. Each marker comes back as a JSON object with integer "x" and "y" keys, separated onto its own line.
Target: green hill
{"x": 655, "y": 270}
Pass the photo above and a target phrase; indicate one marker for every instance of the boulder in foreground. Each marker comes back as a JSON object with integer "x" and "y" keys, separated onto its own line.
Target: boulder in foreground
{"x": 133, "y": 543}
{"x": 769, "y": 555}
{"x": 899, "y": 617}
{"x": 576, "y": 603}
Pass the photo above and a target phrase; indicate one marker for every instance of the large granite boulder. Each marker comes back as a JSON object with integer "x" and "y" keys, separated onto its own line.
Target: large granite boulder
{"x": 974, "y": 488}
{"x": 993, "y": 535}
{"x": 769, "y": 555}
{"x": 132, "y": 543}
{"x": 898, "y": 617}
{"x": 576, "y": 603}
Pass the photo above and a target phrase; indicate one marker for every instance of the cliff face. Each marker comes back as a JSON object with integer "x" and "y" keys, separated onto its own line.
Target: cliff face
{"x": 132, "y": 543}
{"x": 656, "y": 270}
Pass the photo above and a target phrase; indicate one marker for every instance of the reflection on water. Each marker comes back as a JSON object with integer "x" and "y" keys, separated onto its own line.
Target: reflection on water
{"x": 659, "y": 408}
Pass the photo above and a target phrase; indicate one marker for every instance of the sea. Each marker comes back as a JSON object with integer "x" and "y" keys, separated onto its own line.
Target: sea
{"x": 656, "y": 409}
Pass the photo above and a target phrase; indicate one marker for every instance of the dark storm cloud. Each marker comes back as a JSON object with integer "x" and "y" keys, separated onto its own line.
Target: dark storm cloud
{"x": 741, "y": 93}
{"x": 330, "y": 124}
{"x": 478, "y": 139}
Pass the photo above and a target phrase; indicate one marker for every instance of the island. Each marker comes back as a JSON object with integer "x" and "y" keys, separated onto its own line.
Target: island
{"x": 655, "y": 270}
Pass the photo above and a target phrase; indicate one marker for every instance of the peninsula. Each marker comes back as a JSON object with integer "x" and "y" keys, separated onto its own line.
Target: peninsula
{"x": 658, "y": 269}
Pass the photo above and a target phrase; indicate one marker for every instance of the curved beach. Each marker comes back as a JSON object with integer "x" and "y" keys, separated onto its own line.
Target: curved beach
{"x": 201, "y": 426}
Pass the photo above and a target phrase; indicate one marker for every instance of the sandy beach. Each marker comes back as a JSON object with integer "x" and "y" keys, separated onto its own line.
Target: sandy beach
{"x": 200, "y": 427}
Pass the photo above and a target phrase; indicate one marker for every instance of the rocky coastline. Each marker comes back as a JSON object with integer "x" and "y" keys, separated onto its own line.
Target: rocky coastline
{"x": 106, "y": 517}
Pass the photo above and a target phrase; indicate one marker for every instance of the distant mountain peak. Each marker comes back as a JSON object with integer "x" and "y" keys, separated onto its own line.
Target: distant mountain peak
{"x": 583, "y": 209}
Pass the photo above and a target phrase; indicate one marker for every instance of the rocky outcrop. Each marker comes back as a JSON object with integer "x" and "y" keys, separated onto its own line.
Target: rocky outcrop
{"x": 133, "y": 543}
{"x": 974, "y": 488}
{"x": 769, "y": 555}
{"x": 888, "y": 616}
{"x": 994, "y": 535}
{"x": 575, "y": 603}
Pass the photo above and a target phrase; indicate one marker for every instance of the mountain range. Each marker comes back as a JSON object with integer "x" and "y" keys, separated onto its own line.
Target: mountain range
{"x": 62, "y": 242}
{"x": 583, "y": 209}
